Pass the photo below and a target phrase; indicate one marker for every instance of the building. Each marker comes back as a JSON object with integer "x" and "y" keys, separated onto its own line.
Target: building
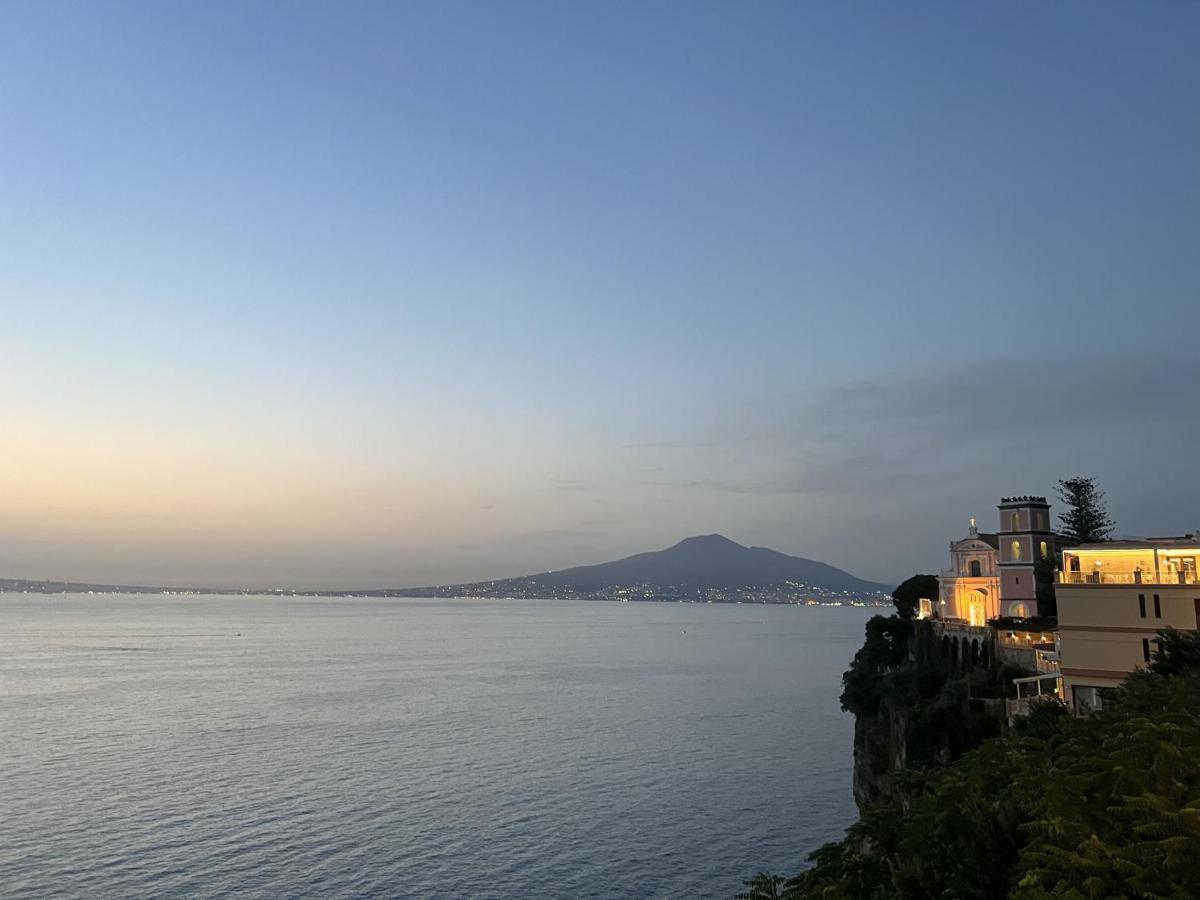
{"x": 970, "y": 589}
{"x": 992, "y": 575}
{"x": 1112, "y": 599}
{"x": 1025, "y": 540}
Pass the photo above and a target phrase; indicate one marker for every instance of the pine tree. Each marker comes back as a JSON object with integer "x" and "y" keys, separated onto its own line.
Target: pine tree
{"x": 908, "y": 595}
{"x": 1086, "y": 519}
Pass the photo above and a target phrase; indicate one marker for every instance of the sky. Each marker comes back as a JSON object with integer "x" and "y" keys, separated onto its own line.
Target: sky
{"x": 391, "y": 294}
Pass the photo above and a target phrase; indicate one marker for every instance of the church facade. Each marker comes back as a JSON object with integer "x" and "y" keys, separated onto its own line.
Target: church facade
{"x": 992, "y": 574}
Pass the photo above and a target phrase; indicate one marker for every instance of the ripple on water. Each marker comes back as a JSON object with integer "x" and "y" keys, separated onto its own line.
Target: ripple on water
{"x": 408, "y": 748}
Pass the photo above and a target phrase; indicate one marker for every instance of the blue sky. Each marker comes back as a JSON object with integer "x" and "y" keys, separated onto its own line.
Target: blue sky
{"x": 366, "y": 294}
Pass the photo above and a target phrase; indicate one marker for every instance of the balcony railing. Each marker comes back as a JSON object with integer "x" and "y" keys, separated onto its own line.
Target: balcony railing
{"x": 1130, "y": 578}
{"x": 1045, "y": 662}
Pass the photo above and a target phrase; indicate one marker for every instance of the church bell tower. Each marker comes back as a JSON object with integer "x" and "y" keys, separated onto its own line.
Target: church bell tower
{"x": 1025, "y": 538}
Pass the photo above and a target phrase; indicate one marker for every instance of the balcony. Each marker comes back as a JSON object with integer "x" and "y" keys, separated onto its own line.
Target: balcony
{"x": 1046, "y": 661}
{"x": 1099, "y": 577}
{"x": 1031, "y": 690}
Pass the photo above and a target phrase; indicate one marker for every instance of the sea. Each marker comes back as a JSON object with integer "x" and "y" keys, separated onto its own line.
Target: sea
{"x": 279, "y": 747}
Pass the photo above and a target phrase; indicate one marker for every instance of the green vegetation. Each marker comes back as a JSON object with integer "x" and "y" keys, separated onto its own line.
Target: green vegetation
{"x": 1045, "y": 571}
{"x": 1105, "y": 806}
{"x": 905, "y": 596}
{"x": 919, "y": 698}
{"x": 1086, "y": 520}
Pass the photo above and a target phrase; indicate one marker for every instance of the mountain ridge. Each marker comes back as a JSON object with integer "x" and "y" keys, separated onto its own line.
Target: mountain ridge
{"x": 707, "y": 562}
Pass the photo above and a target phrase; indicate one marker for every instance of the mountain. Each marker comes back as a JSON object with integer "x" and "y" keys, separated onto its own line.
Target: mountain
{"x": 709, "y": 566}
{"x": 705, "y": 563}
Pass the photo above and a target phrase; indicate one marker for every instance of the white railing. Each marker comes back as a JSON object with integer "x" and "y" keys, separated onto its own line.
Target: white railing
{"x": 1044, "y": 662}
{"x": 1129, "y": 578}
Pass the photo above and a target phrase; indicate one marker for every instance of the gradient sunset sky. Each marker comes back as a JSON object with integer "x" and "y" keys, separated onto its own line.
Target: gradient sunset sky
{"x": 358, "y": 294}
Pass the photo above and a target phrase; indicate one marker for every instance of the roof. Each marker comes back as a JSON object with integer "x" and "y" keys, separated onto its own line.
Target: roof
{"x": 990, "y": 539}
{"x": 1185, "y": 540}
{"x": 1049, "y": 676}
{"x": 1007, "y": 502}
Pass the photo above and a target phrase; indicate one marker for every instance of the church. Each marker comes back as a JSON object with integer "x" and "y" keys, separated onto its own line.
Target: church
{"x": 992, "y": 574}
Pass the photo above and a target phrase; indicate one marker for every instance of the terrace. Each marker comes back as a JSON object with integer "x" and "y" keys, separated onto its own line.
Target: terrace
{"x": 1165, "y": 561}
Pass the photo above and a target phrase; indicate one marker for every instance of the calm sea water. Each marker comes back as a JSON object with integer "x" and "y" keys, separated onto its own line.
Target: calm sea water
{"x": 263, "y": 747}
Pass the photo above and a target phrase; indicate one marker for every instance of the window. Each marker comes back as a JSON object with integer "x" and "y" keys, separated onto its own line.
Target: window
{"x": 1090, "y": 699}
{"x": 1016, "y": 550}
{"x": 1157, "y": 608}
{"x": 976, "y": 571}
{"x": 1045, "y": 551}
{"x": 1146, "y": 649}
{"x": 1016, "y": 519}
{"x": 1142, "y": 605}
{"x": 1018, "y": 611}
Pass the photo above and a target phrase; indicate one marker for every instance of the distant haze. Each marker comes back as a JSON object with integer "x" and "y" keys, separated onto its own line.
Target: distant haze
{"x": 404, "y": 294}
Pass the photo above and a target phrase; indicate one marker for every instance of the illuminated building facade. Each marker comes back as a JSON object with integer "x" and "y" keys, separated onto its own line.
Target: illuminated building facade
{"x": 970, "y": 588}
{"x": 992, "y": 575}
{"x": 1025, "y": 539}
{"x": 1112, "y": 599}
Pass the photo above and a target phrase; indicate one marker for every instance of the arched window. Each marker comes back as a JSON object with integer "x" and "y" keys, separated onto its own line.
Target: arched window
{"x": 1016, "y": 550}
{"x": 1018, "y": 611}
{"x": 1016, "y": 520}
{"x": 975, "y": 569}
{"x": 1045, "y": 551}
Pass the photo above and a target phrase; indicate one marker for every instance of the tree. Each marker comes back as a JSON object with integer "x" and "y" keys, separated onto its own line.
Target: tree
{"x": 1044, "y": 573}
{"x": 1178, "y": 653}
{"x": 1086, "y": 519}
{"x": 1098, "y": 807}
{"x": 919, "y": 587}
{"x": 885, "y": 649}
{"x": 765, "y": 886}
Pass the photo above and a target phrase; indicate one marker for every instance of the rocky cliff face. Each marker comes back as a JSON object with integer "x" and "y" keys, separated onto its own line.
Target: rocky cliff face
{"x": 924, "y": 710}
{"x": 879, "y": 752}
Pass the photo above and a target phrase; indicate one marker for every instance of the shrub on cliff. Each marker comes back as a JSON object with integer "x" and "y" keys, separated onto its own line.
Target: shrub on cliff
{"x": 932, "y": 688}
{"x": 911, "y": 590}
{"x": 884, "y": 650}
{"x": 1106, "y": 806}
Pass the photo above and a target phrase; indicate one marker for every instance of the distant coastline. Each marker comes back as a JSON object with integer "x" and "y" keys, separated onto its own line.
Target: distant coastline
{"x": 746, "y": 595}
{"x": 702, "y": 569}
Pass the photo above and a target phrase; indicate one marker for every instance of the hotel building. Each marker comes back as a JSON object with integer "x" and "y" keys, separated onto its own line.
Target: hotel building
{"x": 1112, "y": 599}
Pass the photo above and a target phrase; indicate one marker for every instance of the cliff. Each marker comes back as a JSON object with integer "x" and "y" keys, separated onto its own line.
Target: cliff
{"x": 880, "y": 751}
{"x": 1100, "y": 806}
{"x": 920, "y": 700}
